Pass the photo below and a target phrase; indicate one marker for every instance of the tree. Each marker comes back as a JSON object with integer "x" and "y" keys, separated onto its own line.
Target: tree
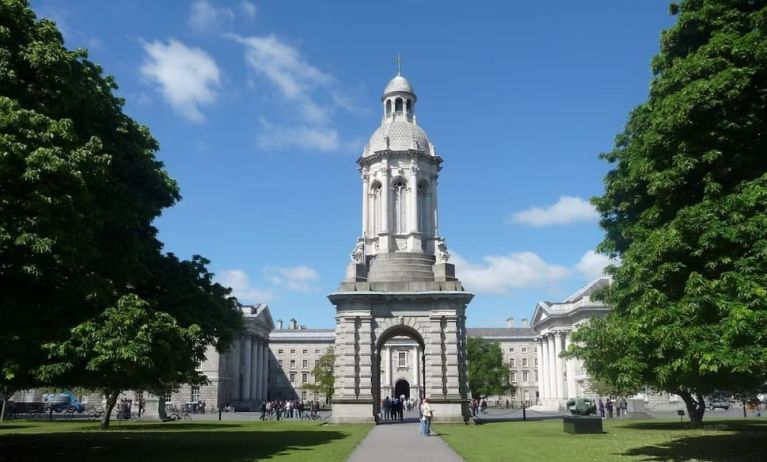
{"x": 79, "y": 189}
{"x": 488, "y": 375}
{"x": 324, "y": 378}
{"x": 129, "y": 346}
{"x": 685, "y": 209}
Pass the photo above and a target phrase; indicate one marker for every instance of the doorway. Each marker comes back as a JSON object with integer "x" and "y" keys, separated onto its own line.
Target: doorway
{"x": 402, "y": 387}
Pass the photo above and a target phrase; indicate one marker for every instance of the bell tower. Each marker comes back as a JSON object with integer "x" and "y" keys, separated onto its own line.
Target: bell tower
{"x": 399, "y": 282}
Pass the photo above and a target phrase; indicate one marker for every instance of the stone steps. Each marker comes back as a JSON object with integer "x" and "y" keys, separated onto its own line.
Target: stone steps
{"x": 401, "y": 266}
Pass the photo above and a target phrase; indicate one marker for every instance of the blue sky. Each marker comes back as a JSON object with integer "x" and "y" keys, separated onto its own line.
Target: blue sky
{"x": 262, "y": 107}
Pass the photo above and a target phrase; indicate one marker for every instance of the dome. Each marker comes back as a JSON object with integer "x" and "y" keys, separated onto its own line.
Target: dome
{"x": 399, "y": 83}
{"x": 403, "y": 135}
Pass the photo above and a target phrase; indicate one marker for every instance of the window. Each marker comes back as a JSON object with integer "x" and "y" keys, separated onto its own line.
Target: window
{"x": 166, "y": 397}
{"x": 304, "y": 377}
{"x": 388, "y": 107}
{"x": 524, "y": 350}
{"x": 402, "y": 359}
{"x": 317, "y": 351}
{"x": 303, "y": 396}
{"x": 527, "y": 395}
{"x": 316, "y": 362}
{"x": 292, "y": 363}
{"x": 524, "y": 362}
{"x": 513, "y": 376}
{"x": 399, "y": 189}
{"x": 409, "y": 106}
{"x": 280, "y": 361}
{"x": 536, "y": 362}
{"x": 305, "y": 363}
{"x": 279, "y": 352}
{"x": 511, "y": 350}
{"x": 293, "y": 352}
{"x": 306, "y": 351}
{"x": 375, "y": 208}
{"x": 512, "y": 362}
{"x": 195, "y": 393}
{"x": 536, "y": 376}
{"x": 535, "y": 350}
{"x": 423, "y": 208}
{"x": 525, "y": 376}
{"x": 398, "y": 106}
{"x": 292, "y": 377}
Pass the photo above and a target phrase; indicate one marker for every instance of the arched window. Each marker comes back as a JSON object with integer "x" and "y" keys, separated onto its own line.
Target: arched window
{"x": 423, "y": 207}
{"x": 409, "y": 107}
{"x": 399, "y": 190}
{"x": 388, "y": 107}
{"x": 398, "y": 106}
{"x": 375, "y": 208}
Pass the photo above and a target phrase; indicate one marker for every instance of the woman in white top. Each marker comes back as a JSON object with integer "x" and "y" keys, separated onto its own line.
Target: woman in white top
{"x": 426, "y": 415}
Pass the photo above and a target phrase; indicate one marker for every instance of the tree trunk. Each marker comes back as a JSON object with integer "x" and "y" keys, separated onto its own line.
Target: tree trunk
{"x": 111, "y": 401}
{"x": 5, "y": 405}
{"x": 696, "y": 407}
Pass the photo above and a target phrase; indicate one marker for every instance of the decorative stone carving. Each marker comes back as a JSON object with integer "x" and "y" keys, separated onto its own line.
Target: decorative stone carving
{"x": 442, "y": 254}
{"x": 358, "y": 254}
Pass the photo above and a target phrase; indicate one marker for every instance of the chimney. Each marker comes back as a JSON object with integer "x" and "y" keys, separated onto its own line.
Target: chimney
{"x": 524, "y": 322}
{"x": 509, "y": 322}
{"x": 293, "y": 324}
{"x": 279, "y": 324}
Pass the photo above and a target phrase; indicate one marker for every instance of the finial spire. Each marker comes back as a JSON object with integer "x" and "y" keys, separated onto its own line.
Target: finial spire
{"x": 399, "y": 64}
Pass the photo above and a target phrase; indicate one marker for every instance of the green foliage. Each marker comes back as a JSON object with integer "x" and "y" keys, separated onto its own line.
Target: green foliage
{"x": 685, "y": 208}
{"x": 79, "y": 189}
{"x": 488, "y": 375}
{"x": 324, "y": 377}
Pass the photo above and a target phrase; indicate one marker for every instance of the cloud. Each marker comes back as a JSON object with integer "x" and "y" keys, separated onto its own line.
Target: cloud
{"x": 301, "y": 136}
{"x": 248, "y": 9}
{"x": 566, "y": 210}
{"x": 592, "y": 264}
{"x": 498, "y": 274}
{"x": 187, "y": 77}
{"x": 241, "y": 286}
{"x": 298, "y": 278}
{"x": 207, "y": 17}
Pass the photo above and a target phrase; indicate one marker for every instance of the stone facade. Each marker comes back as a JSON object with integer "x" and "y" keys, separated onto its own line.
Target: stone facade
{"x": 293, "y": 353}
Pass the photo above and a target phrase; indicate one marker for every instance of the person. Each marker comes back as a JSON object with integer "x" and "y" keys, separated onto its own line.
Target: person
{"x": 474, "y": 405}
{"x": 483, "y": 406}
{"x": 263, "y": 410}
{"x": 427, "y": 413}
{"x": 609, "y": 406}
{"x": 601, "y": 408}
{"x": 387, "y": 408}
{"x": 507, "y": 403}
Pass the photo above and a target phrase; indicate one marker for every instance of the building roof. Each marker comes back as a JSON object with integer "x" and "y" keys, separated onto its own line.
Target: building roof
{"x": 498, "y": 333}
{"x": 402, "y": 135}
{"x": 398, "y": 83}
{"x": 303, "y": 335}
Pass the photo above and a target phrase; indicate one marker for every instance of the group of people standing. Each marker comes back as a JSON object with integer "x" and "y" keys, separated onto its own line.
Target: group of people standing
{"x": 393, "y": 408}
{"x": 280, "y": 409}
{"x": 606, "y": 408}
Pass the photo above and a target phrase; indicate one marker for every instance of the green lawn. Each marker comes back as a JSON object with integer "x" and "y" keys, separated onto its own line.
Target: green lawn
{"x": 656, "y": 440}
{"x": 179, "y": 441}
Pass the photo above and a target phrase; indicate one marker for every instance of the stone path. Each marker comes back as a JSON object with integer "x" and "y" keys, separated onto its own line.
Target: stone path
{"x": 402, "y": 443}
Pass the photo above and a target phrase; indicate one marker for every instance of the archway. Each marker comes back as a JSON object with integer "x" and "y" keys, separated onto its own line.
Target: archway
{"x": 402, "y": 388}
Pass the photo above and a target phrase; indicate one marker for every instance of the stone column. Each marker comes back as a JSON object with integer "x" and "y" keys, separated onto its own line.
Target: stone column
{"x": 435, "y": 205}
{"x": 544, "y": 375}
{"x": 259, "y": 374}
{"x": 540, "y": 368}
{"x": 435, "y": 379}
{"x": 414, "y": 200}
{"x": 415, "y": 369}
{"x": 247, "y": 359}
{"x": 451, "y": 352}
{"x": 254, "y": 369}
{"x": 558, "y": 369}
{"x": 365, "y": 193}
{"x": 570, "y": 367}
{"x": 265, "y": 372}
{"x": 388, "y": 367}
{"x": 366, "y": 363}
{"x": 385, "y": 208}
{"x": 345, "y": 363}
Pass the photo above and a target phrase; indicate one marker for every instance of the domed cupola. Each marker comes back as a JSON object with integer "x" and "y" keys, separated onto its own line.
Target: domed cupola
{"x": 399, "y": 130}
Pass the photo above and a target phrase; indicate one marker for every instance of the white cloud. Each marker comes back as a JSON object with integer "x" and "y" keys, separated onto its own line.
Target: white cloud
{"x": 187, "y": 77}
{"x": 248, "y": 9}
{"x": 566, "y": 210}
{"x": 298, "y": 278}
{"x": 208, "y": 17}
{"x": 498, "y": 274}
{"x": 241, "y": 286}
{"x": 592, "y": 265}
{"x": 301, "y": 136}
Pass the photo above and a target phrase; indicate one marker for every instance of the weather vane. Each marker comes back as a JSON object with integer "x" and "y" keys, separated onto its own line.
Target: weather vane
{"x": 399, "y": 64}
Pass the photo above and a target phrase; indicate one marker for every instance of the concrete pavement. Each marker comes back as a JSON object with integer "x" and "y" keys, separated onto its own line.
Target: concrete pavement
{"x": 402, "y": 443}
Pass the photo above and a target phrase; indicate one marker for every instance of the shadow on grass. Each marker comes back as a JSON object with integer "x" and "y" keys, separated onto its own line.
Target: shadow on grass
{"x": 745, "y": 443}
{"x": 165, "y": 446}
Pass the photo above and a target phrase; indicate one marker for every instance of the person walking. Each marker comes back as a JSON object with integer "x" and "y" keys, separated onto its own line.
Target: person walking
{"x": 427, "y": 413}
{"x": 601, "y": 408}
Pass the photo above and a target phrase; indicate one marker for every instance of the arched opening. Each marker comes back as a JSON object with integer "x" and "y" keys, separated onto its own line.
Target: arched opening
{"x": 409, "y": 107}
{"x": 399, "y": 369}
{"x": 399, "y": 192}
{"x": 388, "y": 107}
{"x": 398, "y": 106}
{"x": 424, "y": 208}
{"x": 402, "y": 389}
{"x": 374, "y": 211}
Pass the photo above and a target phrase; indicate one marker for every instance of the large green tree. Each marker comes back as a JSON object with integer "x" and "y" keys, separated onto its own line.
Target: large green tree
{"x": 324, "y": 377}
{"x": 488, "y": 375}
{"x": 685, "y": 209}
{"x": 79, "y": 189}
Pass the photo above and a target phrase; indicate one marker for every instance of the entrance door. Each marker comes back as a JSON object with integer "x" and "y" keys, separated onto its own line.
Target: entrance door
{"x": 402, "y": 387}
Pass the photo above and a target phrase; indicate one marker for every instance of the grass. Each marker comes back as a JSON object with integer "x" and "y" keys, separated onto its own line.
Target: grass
{"x": 179, "y": 441}
{"x": 656, "y": 440}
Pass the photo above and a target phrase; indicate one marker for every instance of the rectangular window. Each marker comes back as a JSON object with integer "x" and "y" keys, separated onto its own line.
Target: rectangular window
{"x": 511, "y": 350}
{"x": 195, "y": 393}
{"x": 305, "y": 351}
{"x": 316, "y": 352}
{"x": 513, "y": 362}
{"x": 292, "y": 363}
{"x": 292, "y": 377}
{"x": 525, "y": 376}
{"x": 513, "y": 376}
{"x": 536, "y": 362}
{"x": 280, "y": 361}
{"x": 524, "y": 362}
{"x": 305, "y": 364}
{"x": 527, "y": 395}
{"x": 279, "y": 352}
{"x": 536, "y": 376}
{"x": 293, "y": 352}
{"x": 524, "y": 350}
{"x": 303, "y": 396}
{"x": 535, "y": 349}
{"x": 304, "y": 377}
{"x": 316, "y": 362}
{"x": 166, "y": 397}
{"x": 402, "y": 359}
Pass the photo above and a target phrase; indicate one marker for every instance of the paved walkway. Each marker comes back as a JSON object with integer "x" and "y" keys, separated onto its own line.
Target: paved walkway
{"x": 402, "y": 443}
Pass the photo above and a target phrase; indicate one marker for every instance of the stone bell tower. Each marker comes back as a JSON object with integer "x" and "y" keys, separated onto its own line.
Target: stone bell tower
{"x": 399, "y": 281}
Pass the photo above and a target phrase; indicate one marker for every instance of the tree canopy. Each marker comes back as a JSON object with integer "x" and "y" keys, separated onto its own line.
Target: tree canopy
{"x": 79, "y": 189}
{"x": 685, "y": 209}
{"x": 488, "y": 375}
{"x": 324, "y": 378}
